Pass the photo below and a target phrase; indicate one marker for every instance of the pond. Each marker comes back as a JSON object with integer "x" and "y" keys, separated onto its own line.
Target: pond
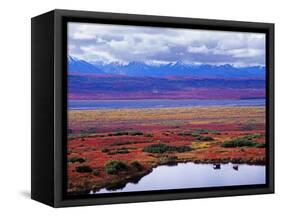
{"x": 191, "y": 175}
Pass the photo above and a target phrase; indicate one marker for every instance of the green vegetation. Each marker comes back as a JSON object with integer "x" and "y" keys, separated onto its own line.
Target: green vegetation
{"x": 135, "y": 133}
{"x": 204, "y": 138}
{"x": 184, "y": 134}
{"x": 183, "y": 148}
{"x": 95, "y": 172}
{"x": 105, "y": 150}
{"x": 117, "y": 134}
{"x": 197, "y": 132}
{"x": 76, "y": 159}
{"x": 261, "y": 145}
{"x": 214, "y": 132}
{"x": 200, "y": 131}
{"x": 148, "y": 135}
{"x": 162, "y": 148}
{"x": 170, "y": 160}
{"x": 136, "y": 165}
{"x": 122, "y": 143}
{"x": 238, "y": 142}
{"x": 253, "y": 136}
{"x": 119, "y": 151}
{"x": 246, "y": 141}
{"x": 83, "y": 169}
{"x": 115, "y": 166}
{"x": 126, "y": 133}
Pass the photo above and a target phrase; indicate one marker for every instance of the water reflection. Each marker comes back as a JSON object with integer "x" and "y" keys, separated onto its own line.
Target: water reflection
{"x": 190, "y": 175}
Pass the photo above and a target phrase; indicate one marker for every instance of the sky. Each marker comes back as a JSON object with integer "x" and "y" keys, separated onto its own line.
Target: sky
{"x": 123, "y": 44}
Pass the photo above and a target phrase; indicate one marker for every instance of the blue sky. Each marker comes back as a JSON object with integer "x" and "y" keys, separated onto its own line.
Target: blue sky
{"x": 123, "y": 44}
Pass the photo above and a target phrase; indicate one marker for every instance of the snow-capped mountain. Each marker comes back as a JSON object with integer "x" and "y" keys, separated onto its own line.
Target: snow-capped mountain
{"x": 178, "y": 69}
{"x": 81, "y": 66}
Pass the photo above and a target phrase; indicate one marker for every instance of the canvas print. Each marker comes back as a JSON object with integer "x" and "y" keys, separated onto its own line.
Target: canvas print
{"x": 156, "y": 108}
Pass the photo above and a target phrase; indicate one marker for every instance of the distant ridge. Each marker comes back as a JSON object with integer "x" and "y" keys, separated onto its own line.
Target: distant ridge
{"x": 81, "y": 66}
{"x": 178, "y": 69}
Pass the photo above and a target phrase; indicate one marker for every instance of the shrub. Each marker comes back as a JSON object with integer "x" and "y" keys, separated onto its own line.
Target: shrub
{"x": 184, "y": 134}
{"x": 204, "y": 131}
{"x": 200, "y": 131}
{"x": 76, "y": 159}
{"x": 162, "y": 148}
{"x": 157, "y": 148}
{"x": 114, "y": 166}
{"x": 214, "y": 132}
{"x": 204, "y": 138}
{"x": 183, "y": 148}
{"x": 136, "y": 165}
{"x": 118, "y": 134}
{"x": 238, "y": 142}
{"x": 95, "y": 172}
{"x": 126, "y": 133}
{"x": 105, "y": 150}
{"x": 121, "y": 143}
{"x": 135, "y": 133}
{"x": 119, "y": 151}
{"x": 148, "y": 135}
{"x": 261, "y": 145}
{"x": 83, "y": 169}
{"x": 253, "y": 136}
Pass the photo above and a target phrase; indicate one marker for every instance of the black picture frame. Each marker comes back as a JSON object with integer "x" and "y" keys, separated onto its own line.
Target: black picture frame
{"x": 49, "y": 107}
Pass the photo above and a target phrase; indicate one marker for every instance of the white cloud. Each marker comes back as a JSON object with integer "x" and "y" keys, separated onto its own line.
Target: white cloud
{"x": 200, "y": 49}
{"x": 108, "y": 43}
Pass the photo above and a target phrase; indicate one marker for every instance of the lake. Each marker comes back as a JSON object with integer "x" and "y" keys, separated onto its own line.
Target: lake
{"x": 158, "y": 103}
{"x": 191, "y": 175}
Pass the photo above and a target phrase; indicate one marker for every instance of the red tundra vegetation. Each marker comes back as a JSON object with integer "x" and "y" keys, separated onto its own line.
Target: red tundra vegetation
{"x": 109, "y": 148}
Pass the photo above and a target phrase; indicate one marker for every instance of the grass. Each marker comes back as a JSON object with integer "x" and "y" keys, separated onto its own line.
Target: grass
{"x": 76, "y": 159}
{"x": 199, "y": 145}
{"x": 162, "y": 148}
{"x": 112, "y": 167}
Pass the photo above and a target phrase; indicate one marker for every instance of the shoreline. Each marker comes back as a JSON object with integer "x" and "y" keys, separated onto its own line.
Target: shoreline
{"x": 122, "y": 182}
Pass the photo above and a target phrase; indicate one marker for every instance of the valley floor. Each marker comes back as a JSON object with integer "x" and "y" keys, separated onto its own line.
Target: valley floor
{"x": 109, "y": 148}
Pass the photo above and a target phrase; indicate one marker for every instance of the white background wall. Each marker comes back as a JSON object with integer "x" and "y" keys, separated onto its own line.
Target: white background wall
{"x": 15, "y": 106}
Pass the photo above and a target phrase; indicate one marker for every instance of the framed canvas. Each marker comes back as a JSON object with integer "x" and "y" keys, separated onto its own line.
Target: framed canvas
{"x": 133, "y": 108}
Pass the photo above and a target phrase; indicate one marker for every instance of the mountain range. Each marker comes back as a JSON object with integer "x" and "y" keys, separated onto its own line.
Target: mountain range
{"x": 138, "y": 80}
{"x": 177, "y": 69}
